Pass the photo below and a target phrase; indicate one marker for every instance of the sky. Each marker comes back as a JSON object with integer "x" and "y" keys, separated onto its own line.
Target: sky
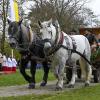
{"x": 27, "y": 5}
{"x": 95, "y": 6}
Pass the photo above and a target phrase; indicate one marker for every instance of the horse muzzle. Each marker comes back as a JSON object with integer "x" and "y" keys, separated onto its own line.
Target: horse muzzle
{"x": 47, "y": 43}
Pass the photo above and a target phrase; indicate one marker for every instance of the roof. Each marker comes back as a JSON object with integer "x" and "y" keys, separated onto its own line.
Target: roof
{"x": 95, "y": 30}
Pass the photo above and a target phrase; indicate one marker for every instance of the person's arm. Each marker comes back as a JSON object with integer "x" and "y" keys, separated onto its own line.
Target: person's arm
{"x": 95, "y": 40}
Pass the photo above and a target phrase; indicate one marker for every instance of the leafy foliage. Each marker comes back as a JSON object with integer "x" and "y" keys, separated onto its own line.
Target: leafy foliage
{"x": 95, "y": 55}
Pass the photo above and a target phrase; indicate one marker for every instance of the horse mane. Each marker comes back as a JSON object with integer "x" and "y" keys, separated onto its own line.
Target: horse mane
{"x": 30, "y": 34}
{"x": 28, "y": 31}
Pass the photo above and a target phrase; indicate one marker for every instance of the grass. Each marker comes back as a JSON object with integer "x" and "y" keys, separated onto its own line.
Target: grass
{"x": 88, "y": 93}
{"x": 17, "y": 79}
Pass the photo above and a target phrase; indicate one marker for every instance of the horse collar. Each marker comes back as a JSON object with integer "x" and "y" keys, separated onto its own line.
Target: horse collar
{"x": 57, "y": 45}
{"x": 61, "y": 38}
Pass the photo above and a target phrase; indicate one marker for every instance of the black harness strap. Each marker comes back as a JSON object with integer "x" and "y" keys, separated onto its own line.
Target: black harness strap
{"x": 57, "y": 46}
{"x": 74, "y": 51}
{"x": 74, "y": 43}
{"x": 68, "y": 46}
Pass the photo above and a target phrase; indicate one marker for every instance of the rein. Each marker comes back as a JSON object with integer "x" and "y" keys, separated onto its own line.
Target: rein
{"x": 57, "y": 47}
{"x": 74, "y": 51}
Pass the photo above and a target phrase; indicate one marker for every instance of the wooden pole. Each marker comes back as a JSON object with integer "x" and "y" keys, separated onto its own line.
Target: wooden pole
{"x": 12, "y": 53}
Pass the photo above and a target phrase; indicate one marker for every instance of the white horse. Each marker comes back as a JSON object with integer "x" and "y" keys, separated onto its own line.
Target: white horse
{"x": 62, "y": 47}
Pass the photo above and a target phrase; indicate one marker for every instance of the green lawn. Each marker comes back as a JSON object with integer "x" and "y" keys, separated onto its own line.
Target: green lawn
{"x": 17, "y": 79}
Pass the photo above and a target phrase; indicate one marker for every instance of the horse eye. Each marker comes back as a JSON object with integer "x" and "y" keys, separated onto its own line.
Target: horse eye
{"x": 48, "y": 25}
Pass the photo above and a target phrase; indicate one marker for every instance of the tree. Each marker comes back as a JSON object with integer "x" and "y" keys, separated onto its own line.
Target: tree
{"x": 66, "y": 11}
{"x": 4, "y": 12}
{"x": 90, "y": 18}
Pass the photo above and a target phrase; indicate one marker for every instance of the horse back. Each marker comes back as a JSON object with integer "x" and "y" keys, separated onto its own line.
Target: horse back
{"x": 82, "y": 43}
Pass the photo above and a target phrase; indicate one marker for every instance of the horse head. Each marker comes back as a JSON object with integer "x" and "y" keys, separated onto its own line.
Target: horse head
{"x": 48, "y": 31}
{"x": 13, "y": 32}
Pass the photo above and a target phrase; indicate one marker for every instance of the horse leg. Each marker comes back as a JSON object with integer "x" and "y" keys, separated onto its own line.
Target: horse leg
{"x": 88, "y": 74}
{"x": 60, "y": 75}
{"x": 46, "y": 71}
{"x": 87, "y": 71}
{"x": 74, "y": 72}
{"x": 22, "y": 70}
{"x": 32, "y": 71}
{"x": 82, "y": 64}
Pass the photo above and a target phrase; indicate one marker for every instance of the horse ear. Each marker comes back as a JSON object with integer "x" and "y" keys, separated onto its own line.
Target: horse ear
{"x": 20, "y": 22}
{"x": 50, "y": 21}
{"x": 39, "y": 22}
{"x": 56, "y": 23}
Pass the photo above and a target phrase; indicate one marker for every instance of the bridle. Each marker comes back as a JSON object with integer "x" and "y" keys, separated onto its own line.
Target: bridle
{"x": 48, "y": 40}
{"x": 56, "y": 45}
{"x": 18, "y": 38}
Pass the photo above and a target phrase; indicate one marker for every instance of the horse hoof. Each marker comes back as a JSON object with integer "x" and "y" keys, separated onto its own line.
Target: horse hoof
{"x": 58, "y": 89}
{"x": 70, "y": 86}
{"x": 66, "y": 82}
{"x": 86, "y": 84}
{"x": 31, "y": 86}
{"x": 43, "y": 83}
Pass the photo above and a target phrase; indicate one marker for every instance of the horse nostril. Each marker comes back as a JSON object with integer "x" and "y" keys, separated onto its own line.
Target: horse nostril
{"x": 13, "y": 45}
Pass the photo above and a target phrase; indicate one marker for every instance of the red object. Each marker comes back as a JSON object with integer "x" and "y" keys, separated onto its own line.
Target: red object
{"x": 14, "y": 69}
{"x": 9, "y": 69}
{"x": 4, "y": 68}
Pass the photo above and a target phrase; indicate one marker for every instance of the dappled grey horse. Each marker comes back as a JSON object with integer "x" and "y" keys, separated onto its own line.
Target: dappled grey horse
{"x": 65, "y": 47}
{"x": 22, "y": 38}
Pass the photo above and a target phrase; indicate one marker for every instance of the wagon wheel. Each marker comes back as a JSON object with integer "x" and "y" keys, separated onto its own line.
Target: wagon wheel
{"x": 96, "y": 74}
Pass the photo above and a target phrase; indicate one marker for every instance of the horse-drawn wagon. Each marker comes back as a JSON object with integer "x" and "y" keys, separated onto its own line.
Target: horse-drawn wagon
{"x": 95, "y": 56}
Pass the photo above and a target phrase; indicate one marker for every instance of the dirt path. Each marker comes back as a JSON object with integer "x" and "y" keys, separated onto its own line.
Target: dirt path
{"x": 23, "y": 90}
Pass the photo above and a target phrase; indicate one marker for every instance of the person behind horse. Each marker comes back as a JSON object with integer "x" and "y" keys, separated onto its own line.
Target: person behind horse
{"x": 73, "y": 32}
{"x": 4, "y": 63}
{"x": 9, "y": 61}
{"x": 98, "y": 39}
{"x": 14, "y": 64}
{"x": 92, "y": 39}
